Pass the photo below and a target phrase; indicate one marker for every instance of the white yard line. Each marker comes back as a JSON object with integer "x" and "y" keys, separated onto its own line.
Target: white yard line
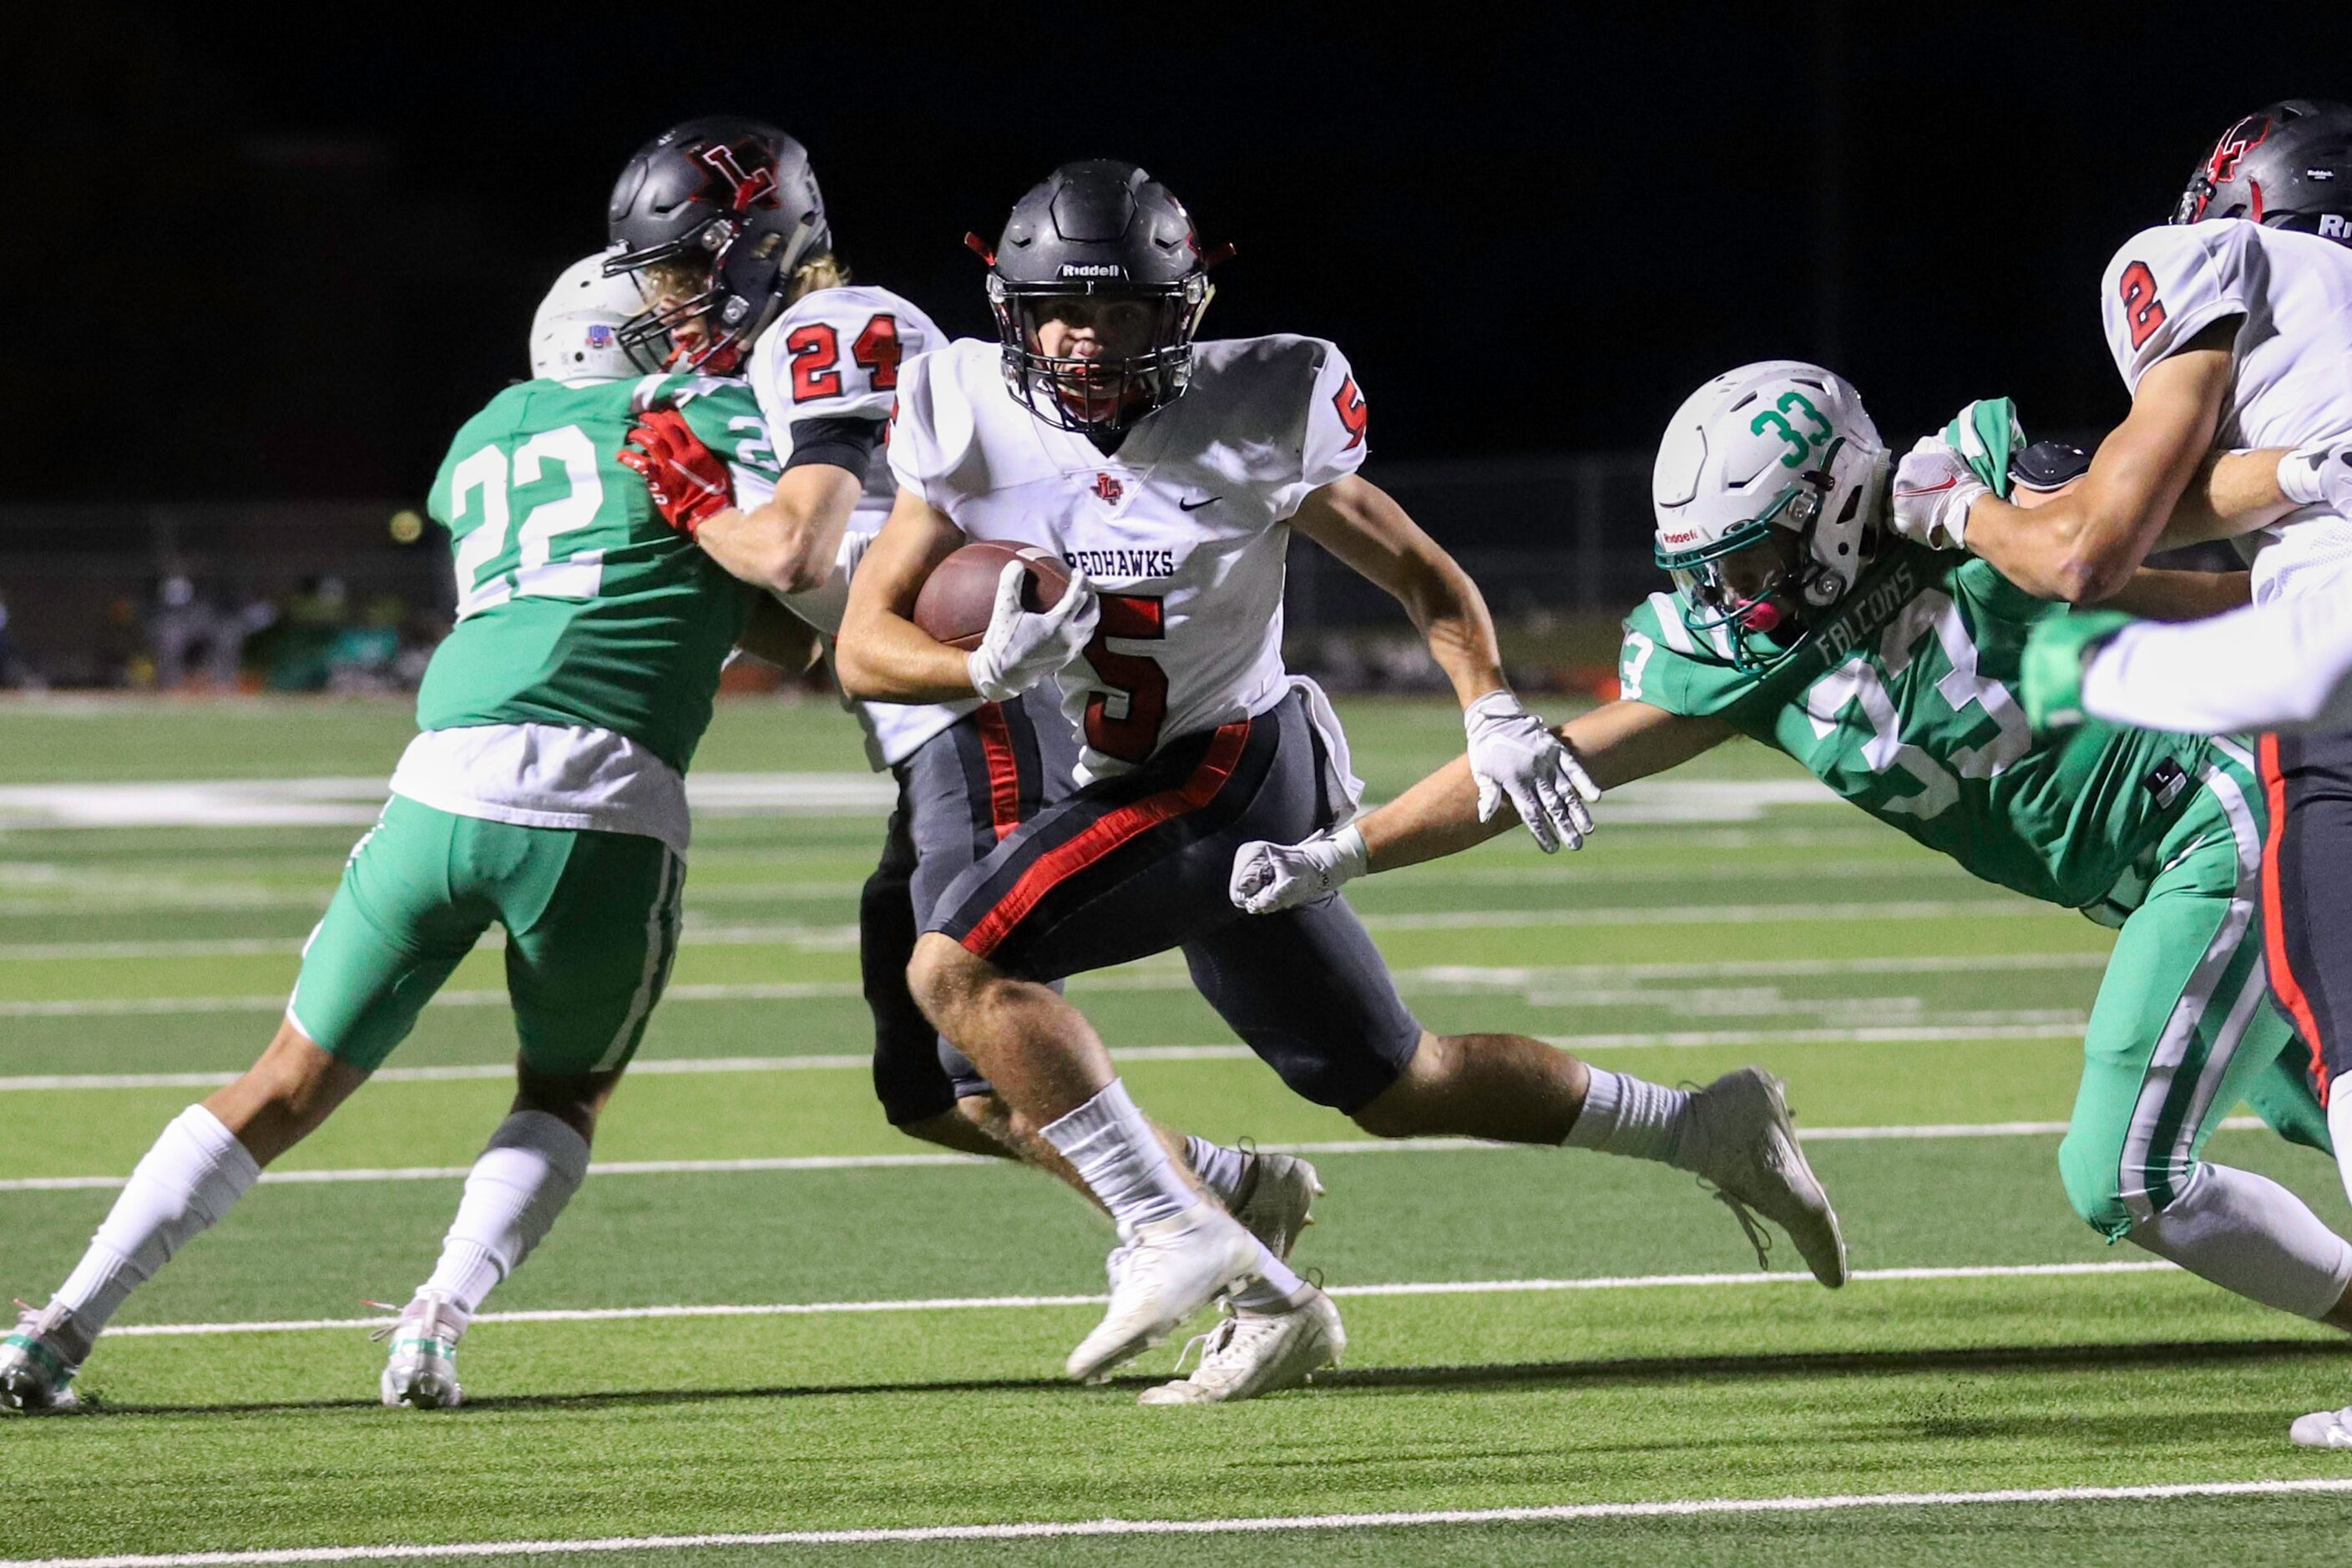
{"x": 918, "y": 1161}
{"x": 1000, "y": 1303}
{"x": 1557, "y": 1513}
{"x": 2036, "y": 1026}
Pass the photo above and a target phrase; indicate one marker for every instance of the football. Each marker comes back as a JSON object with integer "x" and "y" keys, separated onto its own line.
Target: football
{"x": 960, "y": 594}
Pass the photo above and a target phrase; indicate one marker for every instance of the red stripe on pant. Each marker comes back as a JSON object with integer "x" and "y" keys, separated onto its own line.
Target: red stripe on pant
{"x": 2283, "y": 984}
{"x": 1003, "y": 769}
{"x": 1114, "y": 828}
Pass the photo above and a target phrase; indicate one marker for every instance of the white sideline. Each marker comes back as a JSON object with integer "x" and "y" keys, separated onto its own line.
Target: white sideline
{"x": 1555, "y": 1513}
{"x": 2038, "y": 1027}
{"x": 894, "y": 1162}
{"x": 971, "y": 1303}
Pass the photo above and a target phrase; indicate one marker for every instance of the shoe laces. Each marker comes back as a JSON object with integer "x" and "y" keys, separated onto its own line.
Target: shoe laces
{"x": 1215, "y": 1345}
{"x": 437, "y": 1318}
{"x": 1758, "y": 1236}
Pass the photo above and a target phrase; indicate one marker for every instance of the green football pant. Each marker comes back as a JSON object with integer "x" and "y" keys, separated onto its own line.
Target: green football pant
{"x": 2183, "y": 1028}
{"x": 592, "y": 922}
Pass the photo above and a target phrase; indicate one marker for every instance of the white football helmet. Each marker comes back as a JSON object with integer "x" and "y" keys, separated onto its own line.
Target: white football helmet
{"x": 577, "y": 333}
{"x": 1778, "y": 444}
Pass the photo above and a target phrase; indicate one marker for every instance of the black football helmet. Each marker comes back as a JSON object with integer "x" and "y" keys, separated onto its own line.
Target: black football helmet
{"x": 1104, "y": 230}
{"x": 2287, "y": 164}
{"x": 734, "y": 193}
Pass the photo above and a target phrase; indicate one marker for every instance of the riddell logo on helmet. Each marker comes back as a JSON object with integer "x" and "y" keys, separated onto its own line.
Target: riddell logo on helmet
{"x": 2335, "y": 225}
{"x": 1093, "y": 269}
{"x": 1686, "y": 537}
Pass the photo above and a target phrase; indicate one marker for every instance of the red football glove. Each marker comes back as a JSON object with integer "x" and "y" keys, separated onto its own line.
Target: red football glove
{"x": 688, "y": 480}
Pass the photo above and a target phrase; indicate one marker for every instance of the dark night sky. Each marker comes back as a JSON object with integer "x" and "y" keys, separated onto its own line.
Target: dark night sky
{"x": 287, "y": 264}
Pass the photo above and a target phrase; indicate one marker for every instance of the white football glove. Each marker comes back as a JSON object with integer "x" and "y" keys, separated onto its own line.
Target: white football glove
{"x": 2319, "y": 475}
{"x": 1512, "y": 755}
{"x": 1023, "y": 647}
{"x": 1933, "y": 488}
{"x": 1271, "y": 877}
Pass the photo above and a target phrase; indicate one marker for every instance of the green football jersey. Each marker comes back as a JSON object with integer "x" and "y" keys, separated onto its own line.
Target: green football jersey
{"x": 577, "y": 605}
{"x": 1903, "y": 699}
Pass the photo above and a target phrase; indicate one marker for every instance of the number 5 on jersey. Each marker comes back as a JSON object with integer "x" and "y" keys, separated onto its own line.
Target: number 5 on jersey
{"x": 1124, "y": 721}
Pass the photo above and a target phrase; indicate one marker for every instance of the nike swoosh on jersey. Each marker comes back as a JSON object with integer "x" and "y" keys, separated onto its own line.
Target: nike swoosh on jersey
{"x": 1196, "y": 505}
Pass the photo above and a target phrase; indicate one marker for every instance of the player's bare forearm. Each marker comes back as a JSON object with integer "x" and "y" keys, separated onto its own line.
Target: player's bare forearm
{"x": 1361, "y": 524}
{"x": 1617, "y": 742}
{"x": 881, "y": 655}
{"x": 775, "y": 635}
{"x": 2234, "y": 493}
{"x": 2160, "y": 595}
{"x": 2082, "y": 546}
{"x": 787, "y": 544}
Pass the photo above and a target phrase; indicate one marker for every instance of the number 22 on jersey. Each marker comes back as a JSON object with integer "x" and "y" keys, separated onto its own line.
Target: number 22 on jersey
{"x": 482, "y": 490}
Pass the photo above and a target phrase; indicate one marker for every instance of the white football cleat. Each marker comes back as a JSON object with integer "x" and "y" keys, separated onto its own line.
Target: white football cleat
{"x": 1740, "y": 1140}
{"x": 1252, "y": 1353}
{"x": 421, "y": 1373}
{"x": 35, "y": 1371}
{"x": 1167, "y": 1270}
{"x": 2322, "y": 1429}
{"x": 1278, "y": 1200}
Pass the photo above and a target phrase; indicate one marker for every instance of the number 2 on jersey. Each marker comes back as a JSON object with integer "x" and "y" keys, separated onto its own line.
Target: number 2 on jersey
{"x": 1139, "y": 686}
{"x": 2136, "y": 289}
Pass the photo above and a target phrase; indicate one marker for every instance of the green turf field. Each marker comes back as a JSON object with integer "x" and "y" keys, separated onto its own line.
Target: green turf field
{"x": 1582, "y": 1338}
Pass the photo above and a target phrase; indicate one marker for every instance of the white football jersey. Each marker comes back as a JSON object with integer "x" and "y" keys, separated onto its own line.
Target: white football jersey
{"x": 2292, "y": 366}
{"x": 1184, "y": 529}
{"x": 836, "y": 353}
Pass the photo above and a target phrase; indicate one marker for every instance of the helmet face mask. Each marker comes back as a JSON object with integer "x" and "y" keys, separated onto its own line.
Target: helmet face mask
{"x": 1769, "y": 490}
{"x": 1145, "y": 337}
{"x": 732, "y": 200}
{"x": 1097, "y": 287}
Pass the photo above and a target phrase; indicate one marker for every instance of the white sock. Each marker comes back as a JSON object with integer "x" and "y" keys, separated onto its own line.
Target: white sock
{"x": 1119, "y": 1156}
{"x": 2245, "y": 1233}
{"x": 180, "y": 1190}
{"x": 1221, "y": 1170}
{"x": 532, "y": 1166}
{"x": 1275, "y": 1288}
{"x": 1626, "y": 1115}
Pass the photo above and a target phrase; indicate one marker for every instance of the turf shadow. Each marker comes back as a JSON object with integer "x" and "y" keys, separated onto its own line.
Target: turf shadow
{"x": 1623, "y": 1372}
{"x": 1636, "y": 1369}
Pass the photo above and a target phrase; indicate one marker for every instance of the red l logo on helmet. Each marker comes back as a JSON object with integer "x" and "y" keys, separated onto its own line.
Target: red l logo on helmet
{"x": 2237, "y": 142}
{"x": 757, "y": 188}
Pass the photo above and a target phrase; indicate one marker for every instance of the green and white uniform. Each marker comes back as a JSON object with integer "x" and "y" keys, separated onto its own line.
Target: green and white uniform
{"x": 546, "y": 793}
{"x": 1903, "y": 699}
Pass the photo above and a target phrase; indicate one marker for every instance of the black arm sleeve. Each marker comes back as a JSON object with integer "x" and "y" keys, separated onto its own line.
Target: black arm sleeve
{"x": 846, "y": 443}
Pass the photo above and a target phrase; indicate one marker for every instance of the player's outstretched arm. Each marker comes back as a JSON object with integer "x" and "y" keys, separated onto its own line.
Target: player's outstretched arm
{"x": 2083, "y": 546}
{"x": 788, "y": 542}
{"x": 882, "y": 655}
{"x": 1511, "y": 755}
{"x": 2282, "y": 666}
{"x": 1616, "y": 744}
